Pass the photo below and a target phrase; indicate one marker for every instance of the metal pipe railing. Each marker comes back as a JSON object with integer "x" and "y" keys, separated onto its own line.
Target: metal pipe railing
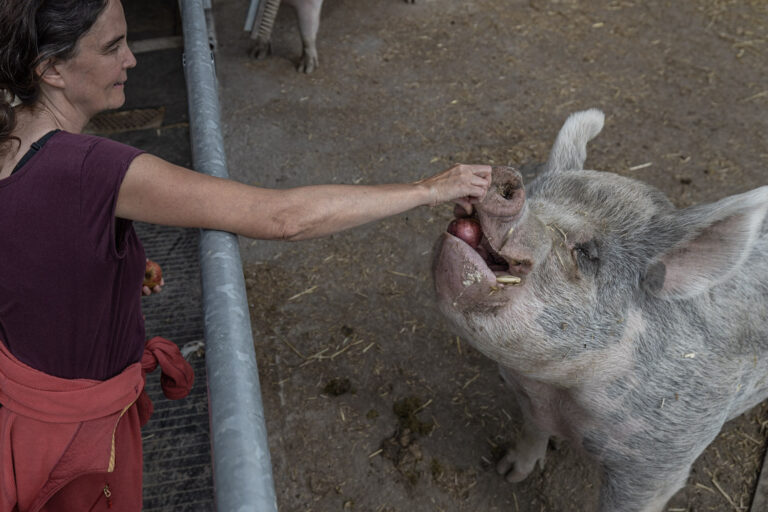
{"x": 250, "y": 18}
{"x": 242, "y": 468}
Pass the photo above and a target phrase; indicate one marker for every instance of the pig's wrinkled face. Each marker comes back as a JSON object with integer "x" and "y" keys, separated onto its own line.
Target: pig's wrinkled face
{"x": 556, "y": 269}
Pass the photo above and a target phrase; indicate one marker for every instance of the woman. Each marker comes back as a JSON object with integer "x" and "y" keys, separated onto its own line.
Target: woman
{"x": 71, "y": 265}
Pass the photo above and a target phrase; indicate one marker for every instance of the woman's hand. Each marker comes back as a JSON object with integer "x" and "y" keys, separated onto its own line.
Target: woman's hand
{"x": 463, "y": 184}
{"x": 146, "y": 290}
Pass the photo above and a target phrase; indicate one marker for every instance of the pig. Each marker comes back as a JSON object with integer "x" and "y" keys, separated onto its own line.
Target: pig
{"x": 308, "y": 12}
{"x": 628, "y": 327}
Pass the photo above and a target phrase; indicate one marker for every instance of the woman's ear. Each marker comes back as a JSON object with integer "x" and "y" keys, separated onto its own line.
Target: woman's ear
{"x": 49, "y": 73}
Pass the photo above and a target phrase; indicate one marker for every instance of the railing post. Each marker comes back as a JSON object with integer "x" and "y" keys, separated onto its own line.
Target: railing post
{"x": 242, "y": 468}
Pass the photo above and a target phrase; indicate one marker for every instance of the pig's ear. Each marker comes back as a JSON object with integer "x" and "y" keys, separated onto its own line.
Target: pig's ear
{"x": 716, "y": 239}
{"x": 570, "y": 149}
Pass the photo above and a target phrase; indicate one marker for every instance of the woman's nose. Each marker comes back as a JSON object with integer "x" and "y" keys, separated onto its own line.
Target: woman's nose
{"x": 130, "y": 59}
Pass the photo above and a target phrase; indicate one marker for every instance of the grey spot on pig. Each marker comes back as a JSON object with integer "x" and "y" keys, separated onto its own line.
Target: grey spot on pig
{"x": 653, "y": 280}
{"x": 637, "y": 329}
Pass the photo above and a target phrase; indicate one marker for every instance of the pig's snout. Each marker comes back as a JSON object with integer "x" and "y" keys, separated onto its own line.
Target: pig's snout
{"x": 506, "y": 196}
{"x": 511, "y": 235}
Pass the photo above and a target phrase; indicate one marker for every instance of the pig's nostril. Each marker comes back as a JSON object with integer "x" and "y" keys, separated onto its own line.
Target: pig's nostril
{"x": 507, "y": 190}
{"x": 506, "y": 197}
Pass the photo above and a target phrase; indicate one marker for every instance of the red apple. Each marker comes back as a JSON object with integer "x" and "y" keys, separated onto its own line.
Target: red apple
{"x": 467, "y": 229}
{"x": 153, "y": 274}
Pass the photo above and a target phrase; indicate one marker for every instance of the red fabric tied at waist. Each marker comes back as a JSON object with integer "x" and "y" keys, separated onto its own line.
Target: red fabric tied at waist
{"x": 59, "y": 436}
{"x": 37, "y": 395}
{"x": 43, "y": 397}
{"x": 176, "y": 378}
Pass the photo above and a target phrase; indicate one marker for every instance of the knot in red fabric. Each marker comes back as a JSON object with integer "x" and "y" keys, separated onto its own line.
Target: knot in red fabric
{"x": 176, "y": 378}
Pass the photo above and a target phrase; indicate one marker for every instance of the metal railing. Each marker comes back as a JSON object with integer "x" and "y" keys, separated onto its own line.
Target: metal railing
{"x": 242, "y": 468}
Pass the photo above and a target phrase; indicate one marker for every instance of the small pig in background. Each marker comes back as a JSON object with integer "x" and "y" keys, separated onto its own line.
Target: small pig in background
{"x": 629, "y": 327}
{"x": 308, "y": 13}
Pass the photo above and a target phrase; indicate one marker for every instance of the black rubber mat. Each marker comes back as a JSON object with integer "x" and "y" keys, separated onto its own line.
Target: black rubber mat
{"x": 177, "y": 466}
{"x": 126, "y": 120}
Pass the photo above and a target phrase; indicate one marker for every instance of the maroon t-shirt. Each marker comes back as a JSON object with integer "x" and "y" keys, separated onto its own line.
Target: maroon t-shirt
{"x": 70, "y": 272}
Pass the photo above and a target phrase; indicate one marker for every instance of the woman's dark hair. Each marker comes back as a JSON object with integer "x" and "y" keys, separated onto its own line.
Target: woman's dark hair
{"x": 31, "y": 32}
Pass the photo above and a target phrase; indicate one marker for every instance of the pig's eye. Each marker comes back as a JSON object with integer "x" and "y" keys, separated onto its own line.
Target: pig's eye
{"x": 587, "y": 254}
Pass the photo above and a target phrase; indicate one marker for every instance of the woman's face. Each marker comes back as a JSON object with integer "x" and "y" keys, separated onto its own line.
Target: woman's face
{"x": 94, "y": 79}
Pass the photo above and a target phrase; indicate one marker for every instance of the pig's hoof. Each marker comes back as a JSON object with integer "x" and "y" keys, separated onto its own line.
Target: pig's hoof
{"x": 308, "y": 63}
{"x": 260, "y": 50}
{"x": 516, "y": 465}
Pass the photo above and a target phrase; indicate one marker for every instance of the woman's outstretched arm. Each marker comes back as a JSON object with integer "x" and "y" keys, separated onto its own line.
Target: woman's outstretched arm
{"x": 159, "y": 192}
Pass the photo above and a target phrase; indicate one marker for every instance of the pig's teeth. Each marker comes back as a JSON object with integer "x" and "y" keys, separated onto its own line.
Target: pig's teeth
{"x": 508, "y": 280}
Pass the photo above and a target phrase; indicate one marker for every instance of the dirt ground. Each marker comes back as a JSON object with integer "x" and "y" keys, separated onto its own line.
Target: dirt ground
{"x": 372, "y": 403}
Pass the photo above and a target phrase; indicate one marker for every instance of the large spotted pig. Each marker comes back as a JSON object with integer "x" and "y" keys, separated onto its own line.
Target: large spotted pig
{"x": 631, "y": 328}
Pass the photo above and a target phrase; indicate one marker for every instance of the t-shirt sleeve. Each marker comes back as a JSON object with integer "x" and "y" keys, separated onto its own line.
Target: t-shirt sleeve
{"x": 103, "y": 170}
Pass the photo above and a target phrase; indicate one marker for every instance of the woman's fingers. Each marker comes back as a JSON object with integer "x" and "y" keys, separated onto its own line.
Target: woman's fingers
{"x": 461, "y": 183}
{"x": 463, "y": 207}
{"x": 146, "y": 290}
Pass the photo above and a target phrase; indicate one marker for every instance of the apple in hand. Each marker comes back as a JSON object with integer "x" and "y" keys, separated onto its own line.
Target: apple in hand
{"x": 153, "y": 275}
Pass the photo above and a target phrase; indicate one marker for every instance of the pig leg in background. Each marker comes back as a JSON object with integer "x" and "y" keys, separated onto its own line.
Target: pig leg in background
{"x": 308, "y": 12}
{"x": 262, "y": 32}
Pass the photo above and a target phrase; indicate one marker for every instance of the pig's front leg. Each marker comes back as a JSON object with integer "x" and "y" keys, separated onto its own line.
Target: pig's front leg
{"x": 531, "y": 446}
{"x": 640, "y": 487}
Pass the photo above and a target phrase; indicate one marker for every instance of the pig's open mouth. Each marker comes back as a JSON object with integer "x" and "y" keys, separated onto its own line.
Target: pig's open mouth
{"x": 470, "y": 232}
